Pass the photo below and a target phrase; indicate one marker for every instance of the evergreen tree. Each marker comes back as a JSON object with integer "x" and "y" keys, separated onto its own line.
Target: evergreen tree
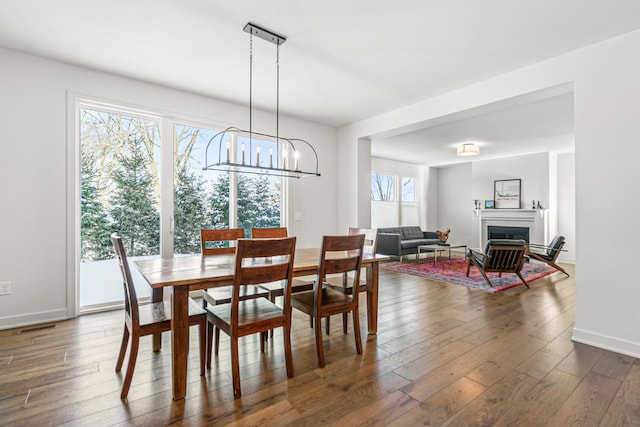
{"x": 219, "y": 212}
{"x": 266, "y": 196}
{"x": 189, "y": 213}
{"x": 95, "y": 229}
{"x": 133, "y": 205}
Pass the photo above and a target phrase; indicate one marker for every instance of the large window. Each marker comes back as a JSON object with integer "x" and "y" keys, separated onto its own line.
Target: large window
{"x": 124, "y": 183}
{"x": 383, "y": 187}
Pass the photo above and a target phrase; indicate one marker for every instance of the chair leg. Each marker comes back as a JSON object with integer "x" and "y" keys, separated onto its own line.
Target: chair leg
{"x": 235, "y": 367}
{"x": 133, "y": 355}
{"x": 522, "y": 278}
{"x": 288, "y": 355}
{"x": 263, "y": 340}
{"x": 217, "y": 339}
{"x": 356, "y": 330}
{"x": 202, "y": 329}
{"x": 319, "y": 348}
{"x": 468, "y": 265}
{"x": 209, "y": 343}
{"x": 344, "y": 323}
{"x": 327, "y": 321}
{"x": 557, "y": 267}
{"x": 123, "y": 349}
{"x": 272, "y": 298}
{"x": 485, "y": 276}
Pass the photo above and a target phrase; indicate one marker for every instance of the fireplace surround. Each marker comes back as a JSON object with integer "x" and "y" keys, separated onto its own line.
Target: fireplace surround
{"x": 534, "y": 220}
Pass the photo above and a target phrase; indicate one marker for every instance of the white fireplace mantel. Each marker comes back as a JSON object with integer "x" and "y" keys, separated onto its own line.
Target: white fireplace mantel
{"x": 535, "y": 219}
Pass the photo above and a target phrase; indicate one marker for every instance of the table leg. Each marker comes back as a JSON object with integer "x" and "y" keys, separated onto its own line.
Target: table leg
{"x": 179, "y": 339}
{"x": 372, "y": 298}
{"x": 156, "y": 296}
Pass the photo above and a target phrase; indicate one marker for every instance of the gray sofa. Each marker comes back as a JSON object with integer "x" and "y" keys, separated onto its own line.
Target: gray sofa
{"x": 399, "y": 241}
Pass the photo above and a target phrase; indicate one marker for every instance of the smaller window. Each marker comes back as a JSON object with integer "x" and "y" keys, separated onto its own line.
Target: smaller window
{"x": 383, "y": 187}
{"x": 408, "y": 189}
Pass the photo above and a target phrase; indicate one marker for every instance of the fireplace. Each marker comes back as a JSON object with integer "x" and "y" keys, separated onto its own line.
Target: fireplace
{"x": 508, "y": 232}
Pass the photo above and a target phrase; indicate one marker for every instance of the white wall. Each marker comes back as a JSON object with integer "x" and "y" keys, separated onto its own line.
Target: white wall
{"x": 532, "y": 170}
{"x": 606, "y": 84}
{"x": 567, "y": 204}
{"x": 36, "y": 219}
{"x": 455, "y": 202}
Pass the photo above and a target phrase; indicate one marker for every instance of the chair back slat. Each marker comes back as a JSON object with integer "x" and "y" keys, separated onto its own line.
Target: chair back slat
{"x": 229, "y": 235}
{"x": 130, "y": 296}
{"x": 269, "y": 232}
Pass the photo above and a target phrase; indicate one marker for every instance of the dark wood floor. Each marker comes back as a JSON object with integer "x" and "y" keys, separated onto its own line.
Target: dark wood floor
{"x": 444, "y": 355}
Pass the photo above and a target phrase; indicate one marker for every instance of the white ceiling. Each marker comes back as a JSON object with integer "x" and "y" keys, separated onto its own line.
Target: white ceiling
{"x": 529, "y": 127}
{"x": 343, "y": 61}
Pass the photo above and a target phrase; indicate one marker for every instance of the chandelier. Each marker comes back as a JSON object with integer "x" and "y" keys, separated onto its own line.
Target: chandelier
{"x": 286, "y": 162}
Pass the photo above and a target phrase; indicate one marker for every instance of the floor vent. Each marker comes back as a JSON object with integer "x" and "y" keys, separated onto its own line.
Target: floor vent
{"x": 37, "y": 328}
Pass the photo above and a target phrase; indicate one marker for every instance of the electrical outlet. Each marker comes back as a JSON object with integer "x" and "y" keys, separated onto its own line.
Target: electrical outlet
{"x": 5, "y": 288}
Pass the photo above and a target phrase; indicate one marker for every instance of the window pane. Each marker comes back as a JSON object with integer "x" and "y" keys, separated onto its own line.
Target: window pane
{"x": 202, "y": 198}
{"x": 408, "y": 189}
{"x": 382, "y": 187}
{"x": 120, "y": 192}
{"x": 120, "y": 189}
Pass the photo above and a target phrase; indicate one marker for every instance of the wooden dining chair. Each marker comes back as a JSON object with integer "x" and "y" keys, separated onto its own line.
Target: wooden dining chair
{"x": 276, "y": 289}
{"x": 147, "y": 319}
{"x": 341, "y": 283}
{"x": 257, "y": 261}
{"x": 211, "y": 241}
{"x": 339, "y": 254}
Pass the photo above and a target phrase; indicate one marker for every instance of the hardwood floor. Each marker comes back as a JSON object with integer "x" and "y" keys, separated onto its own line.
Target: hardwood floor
{"x": 444, "y": 355}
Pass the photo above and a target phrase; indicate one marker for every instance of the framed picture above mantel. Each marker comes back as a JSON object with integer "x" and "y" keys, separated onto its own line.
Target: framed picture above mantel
{"x": 506, "y": 194}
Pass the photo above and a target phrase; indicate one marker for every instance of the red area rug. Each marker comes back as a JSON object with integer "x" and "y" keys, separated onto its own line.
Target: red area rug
{"x": 454, "y": 271}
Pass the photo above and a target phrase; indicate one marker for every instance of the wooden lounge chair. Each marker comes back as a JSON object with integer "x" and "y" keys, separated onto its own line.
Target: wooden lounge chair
{"x": 547, "y": 254}
{"x": 500, "y": 256}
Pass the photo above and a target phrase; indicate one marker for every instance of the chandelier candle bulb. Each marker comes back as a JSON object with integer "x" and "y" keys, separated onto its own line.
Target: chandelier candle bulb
{"x": 258, "y": 156}
{"x": 228, "y": 146}
{"x": 243, "y": 153}
{"x": 271, "y": 157}
{"x": 296, "y": 155}
{"x": 284, "y": 158}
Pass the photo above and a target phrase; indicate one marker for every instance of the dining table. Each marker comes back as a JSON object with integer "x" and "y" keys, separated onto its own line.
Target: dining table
{"x": 183, "y": 274}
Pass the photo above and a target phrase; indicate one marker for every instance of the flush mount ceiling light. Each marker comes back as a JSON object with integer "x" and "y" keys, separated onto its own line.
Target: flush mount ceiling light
{"x": 468, "y": 150}
{"x": 230, "y": 160}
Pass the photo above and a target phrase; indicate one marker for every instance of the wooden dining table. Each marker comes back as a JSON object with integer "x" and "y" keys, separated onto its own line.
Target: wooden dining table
{"x": 182, "y": 274}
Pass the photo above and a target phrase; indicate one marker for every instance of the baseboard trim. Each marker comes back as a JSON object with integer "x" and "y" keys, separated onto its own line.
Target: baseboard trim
{"x": 606, "y": 342}
{"x": 10, "y": 322}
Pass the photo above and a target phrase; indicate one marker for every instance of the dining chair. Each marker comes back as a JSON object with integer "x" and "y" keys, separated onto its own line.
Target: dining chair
{"x": 276, "y": 289}
{"x": 257, "y": 261}
{"x": 341, "y": 283}
{"x": 210, "y": 243}
{"x": 339, "y": 254}
{"x": 147, "y": 319}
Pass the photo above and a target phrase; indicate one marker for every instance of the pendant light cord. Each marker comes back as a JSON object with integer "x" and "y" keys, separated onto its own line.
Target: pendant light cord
{"x": 250, "y": 84}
